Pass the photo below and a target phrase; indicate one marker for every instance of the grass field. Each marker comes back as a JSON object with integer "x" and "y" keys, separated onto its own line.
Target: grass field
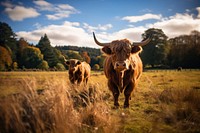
{"x": 165, "y": 101}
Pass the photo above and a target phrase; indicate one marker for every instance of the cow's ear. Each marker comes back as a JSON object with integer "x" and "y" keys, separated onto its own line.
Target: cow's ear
{"x": 136, "y": 49}
{"x": 78, "y": 62}
{"x": 67, "y": 62}
{"x": 107, "y": 50}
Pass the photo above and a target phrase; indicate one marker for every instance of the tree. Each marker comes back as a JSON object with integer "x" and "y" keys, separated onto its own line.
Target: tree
{"x": 31, "y": 57}
{"x": 21, "y": 45}
{"x": 5, "y": 59}
{"x": 96, "y": 67}
{"x": 7, "y": 39}
{"x": 48, "y": 51}
{"x": 155, "y": 53}
{"x": 60, "y": 67}
{"x": 73, "y": 55}
{"x": 43, "y": 65}
{"x": 86, "y": 57}
{"x": 15, "y": 66}
{"x": 185, "y": 51}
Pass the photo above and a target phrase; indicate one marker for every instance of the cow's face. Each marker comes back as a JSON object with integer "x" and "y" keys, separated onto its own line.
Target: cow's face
{"x": 73, "y": 64}
{"x": 121, "y": 53}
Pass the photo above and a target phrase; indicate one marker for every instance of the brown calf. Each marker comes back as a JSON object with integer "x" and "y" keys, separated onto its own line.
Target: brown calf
{"x": 78, "y": 71}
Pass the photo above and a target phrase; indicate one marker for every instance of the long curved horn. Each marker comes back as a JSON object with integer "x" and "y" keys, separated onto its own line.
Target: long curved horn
{"x": 141, "y": 43}
{"x": 98, "y": 43}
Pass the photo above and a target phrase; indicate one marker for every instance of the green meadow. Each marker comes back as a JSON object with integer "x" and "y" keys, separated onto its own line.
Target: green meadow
{"x": 164, "y": 101}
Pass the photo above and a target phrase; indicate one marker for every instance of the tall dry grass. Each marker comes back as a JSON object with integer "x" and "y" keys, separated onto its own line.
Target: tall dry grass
{"x": 179, "y": 110}
{"x": 48, "y": 103}
{"x": 61, "y": 108}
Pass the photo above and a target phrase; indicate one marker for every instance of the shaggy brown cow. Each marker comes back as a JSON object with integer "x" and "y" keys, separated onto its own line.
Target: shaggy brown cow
{"x": 122, "y": 66}
{"x": 78, "y": 71}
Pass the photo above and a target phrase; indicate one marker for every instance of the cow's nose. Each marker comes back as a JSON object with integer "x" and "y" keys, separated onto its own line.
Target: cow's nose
{"x": 120, "y": 64}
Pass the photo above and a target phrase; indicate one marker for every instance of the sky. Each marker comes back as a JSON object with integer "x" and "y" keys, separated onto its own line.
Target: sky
{"x": 71, "y": 22}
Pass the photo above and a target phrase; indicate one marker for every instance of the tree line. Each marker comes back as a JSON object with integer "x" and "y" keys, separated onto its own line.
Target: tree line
{"x": 18, "y": 54}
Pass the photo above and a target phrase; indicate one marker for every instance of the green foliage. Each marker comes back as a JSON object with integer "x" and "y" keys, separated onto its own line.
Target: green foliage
{"x": 7, "y": 39}
{"x": 73, "y": 55}
{"x": 15, "y": 66}
{"x": 51, "y": 55}
{"x": 155, "y": 52}
{"x": 181, "y": 51}
{"x": 96, "y": 67}
{"x": 92, "y": 52}
{"x": 43, "y": 65}
{"x": 60, "y": 67}
{"x": 185, "y": 51}
{"x": 6, "y": 33}
{"x": 31, "y": 57}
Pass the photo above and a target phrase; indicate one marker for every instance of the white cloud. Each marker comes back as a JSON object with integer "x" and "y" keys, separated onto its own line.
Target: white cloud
{"x": 173, "y": 26}
{"x": 78, "y": 34}
{"x": 43, "y": 5}
{"x": 134, "y": 19}
{"x": 69, "y": 33}
{"x": 99, "y": 27}
{"x": 133, "y": 34}
{"x": 178, "y": 24}
{"x": 66, "y": 7}
{"x": 56, "y": 11}
{"x": 19, "y": 13}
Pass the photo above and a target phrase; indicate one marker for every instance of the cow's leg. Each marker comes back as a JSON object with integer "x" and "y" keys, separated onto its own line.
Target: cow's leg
{"x": 115, "y": 92}
{"x": 127, "y": 93}
{"x": 72, "y": 80}
{"x": 86, "y": 80}
{"x": 79, "y": 80}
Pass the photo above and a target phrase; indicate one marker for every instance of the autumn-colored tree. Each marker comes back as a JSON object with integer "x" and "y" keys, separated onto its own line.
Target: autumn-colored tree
{"x": 86, "y": 57}
{"x": 31, "y": 57}
{"x": 5, "y": 59}
{"x": 8, "y": 39}
{"x": 15, "y": 66}
{"x": 22, "y": 43}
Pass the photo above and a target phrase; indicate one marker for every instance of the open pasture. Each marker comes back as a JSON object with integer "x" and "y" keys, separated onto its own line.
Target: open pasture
{"x": 165, "y": 101}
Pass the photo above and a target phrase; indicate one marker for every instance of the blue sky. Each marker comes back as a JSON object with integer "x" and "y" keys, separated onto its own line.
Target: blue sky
{"x": 71, "y": 22}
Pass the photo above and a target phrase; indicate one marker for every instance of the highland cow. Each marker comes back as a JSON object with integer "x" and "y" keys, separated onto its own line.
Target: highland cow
{"x": 122, "y": 66}
{"x": 78, "y": 71}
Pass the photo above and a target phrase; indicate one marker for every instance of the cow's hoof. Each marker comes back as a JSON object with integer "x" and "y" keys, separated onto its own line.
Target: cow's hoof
{"x": 116, "y": 104}
{"x": 115, "y": 107}
{"x": 126, "y": 106}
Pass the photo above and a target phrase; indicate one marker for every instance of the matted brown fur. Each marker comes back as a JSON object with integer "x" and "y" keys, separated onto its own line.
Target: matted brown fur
{"x": 78, "y": 71}
{"x": 122, "y": 67}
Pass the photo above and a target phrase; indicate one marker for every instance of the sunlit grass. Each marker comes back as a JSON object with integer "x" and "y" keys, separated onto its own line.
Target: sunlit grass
{"x": 165, "y": 101}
